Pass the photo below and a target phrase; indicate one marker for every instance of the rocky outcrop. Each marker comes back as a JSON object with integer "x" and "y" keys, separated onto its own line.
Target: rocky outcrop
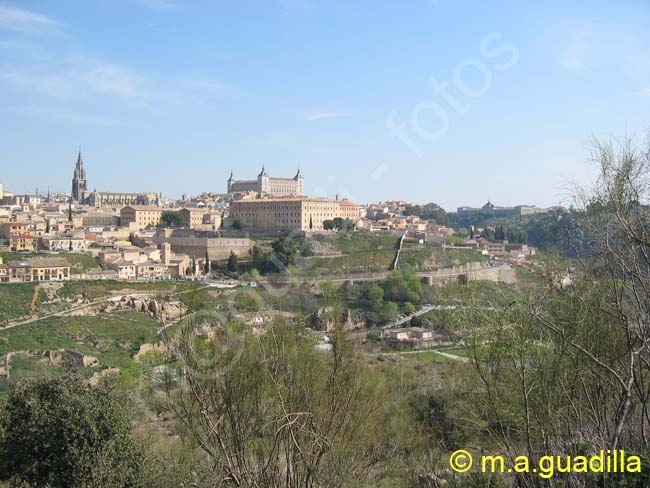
{"x": 162, "y": 311}
{"x": 160, "y": 348}
{"x": 58, "y": 358}
{"x": 97, "y": 377}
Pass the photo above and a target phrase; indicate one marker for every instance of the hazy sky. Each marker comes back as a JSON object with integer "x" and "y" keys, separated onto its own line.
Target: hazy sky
{"x": 426, "y": 100}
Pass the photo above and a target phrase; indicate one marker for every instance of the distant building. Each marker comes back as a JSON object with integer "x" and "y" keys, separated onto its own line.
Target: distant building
{"x": 112, "y": 199}
{"x": 141, "y": 216}
{"x": 291, "y": 213}
{"x": 267, "y": 185}
{"x": 409, "y": 334}
{"x": 79, "y": 183}
{"x": 35, "y": 269}
{"x": 23, "y": 242}
{"x": 81, "y": 194}
{"x": 63, "y": 243}
{"x": 490, "y": 210}
{"x": 198, "y": 244}
{"x": 193, "y": 217}
{"x": 100, "y": 220}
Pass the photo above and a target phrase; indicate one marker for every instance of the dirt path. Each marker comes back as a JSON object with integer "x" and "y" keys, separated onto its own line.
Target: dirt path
{"x": 435, "y": 351}
{"x": 35, "y": 298}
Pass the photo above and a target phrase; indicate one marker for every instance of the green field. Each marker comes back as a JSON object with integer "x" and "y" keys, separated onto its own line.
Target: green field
{"x": 356, "y": 242}
{"x": 430, "y": 257}
{"x": 112, "y": 338}
{"x": 426, "y": 357}
{"x": 98, "y": 289}
{"x": 362, "y": 262}
{"x": 16, "y": 298}
{"x": 373, "y": 252}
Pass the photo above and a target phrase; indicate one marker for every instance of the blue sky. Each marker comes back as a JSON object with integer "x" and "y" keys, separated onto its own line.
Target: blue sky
{"x": 424, "y": 100}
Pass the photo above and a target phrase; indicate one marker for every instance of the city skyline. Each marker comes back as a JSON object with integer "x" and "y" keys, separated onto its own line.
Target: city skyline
{"x": 429, "y": 102}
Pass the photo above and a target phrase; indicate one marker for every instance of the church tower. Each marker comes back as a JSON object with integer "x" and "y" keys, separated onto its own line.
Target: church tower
{"x": 300, "y": 184}
{"x": 79, "y": 180}
{"x": 263, "y": 182}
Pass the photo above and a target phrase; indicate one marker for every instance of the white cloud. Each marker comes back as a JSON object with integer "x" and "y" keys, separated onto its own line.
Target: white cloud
{"x": 111, "y": 79}
{"x": 78, "y": 78}
{"x": 645, "y": 93}
{"x": 574, "y": 56}
{"x": 66, "y": 115}
{"x": 159, "y": 4}
{"x": 326, "y": 115}
{"x": 16, "y": 19}
{"x": 52, "y": 85}
{"x": 214, "y": 87}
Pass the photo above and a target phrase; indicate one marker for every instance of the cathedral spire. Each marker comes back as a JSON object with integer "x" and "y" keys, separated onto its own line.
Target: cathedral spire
{"x": 79, "y": 179}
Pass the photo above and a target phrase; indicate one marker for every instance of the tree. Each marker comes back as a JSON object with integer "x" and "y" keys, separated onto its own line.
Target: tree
{"x": 328, "y": 290}
{"x": 58, "y": 432}
{"x": 430, "y": 211}
{"x": 172, "y": 219}
{"x": 375, "y": 294}
{"x": 274, "y": 411}
{"x": 232, "y": 266}
{"x": 390, "y": 311}
{"x": 328, "y": 225}
{"x": 207, "y": 265}
{"x": 574, "y": 359}
{"x": 286, "y": 249}
{"x": 237, "y": 224}
{"x": 403, "y": 286}
{"x": 452, "y": 240}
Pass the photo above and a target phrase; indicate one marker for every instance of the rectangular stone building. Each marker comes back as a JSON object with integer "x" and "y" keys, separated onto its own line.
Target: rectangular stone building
{"x": 304, "y": 213}
{"x": 142, "y": 216}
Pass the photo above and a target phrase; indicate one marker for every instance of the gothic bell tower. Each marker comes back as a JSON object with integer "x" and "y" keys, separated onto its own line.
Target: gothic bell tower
{"x": 79, "y": 180}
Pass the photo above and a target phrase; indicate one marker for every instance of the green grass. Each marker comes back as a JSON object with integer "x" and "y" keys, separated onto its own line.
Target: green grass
{"x": 355, "y": 242}
{"x": 98, "y": 289}
{"x": 15, "y": 300}
{"x": 430, "y": 257}
{"x": 467, "y": 352}
{"x": 112, "y": 338}
{"x": 362, "y": 262}
{"x": 24, "y": 366}
{"x": 427, "y": 357}
{"x": 361, "y": 252}
{"x": 78, "y": 262}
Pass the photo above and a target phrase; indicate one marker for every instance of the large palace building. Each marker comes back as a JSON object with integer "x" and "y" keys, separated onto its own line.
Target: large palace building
{"x": 95, "y": 198}
{"x": 288, "y": 213}
{"x": 268, "y": 186}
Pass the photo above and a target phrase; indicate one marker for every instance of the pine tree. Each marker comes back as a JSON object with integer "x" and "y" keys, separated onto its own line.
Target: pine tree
{"x": 208, "y": 266}
{"x": 232, "y": 265}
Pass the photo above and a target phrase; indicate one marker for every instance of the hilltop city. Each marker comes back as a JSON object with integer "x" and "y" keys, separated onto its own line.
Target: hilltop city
{"x": 144, "y": 236}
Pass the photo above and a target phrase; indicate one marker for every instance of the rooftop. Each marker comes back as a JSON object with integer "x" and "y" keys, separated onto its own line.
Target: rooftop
{"x": 39, "y": 263}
